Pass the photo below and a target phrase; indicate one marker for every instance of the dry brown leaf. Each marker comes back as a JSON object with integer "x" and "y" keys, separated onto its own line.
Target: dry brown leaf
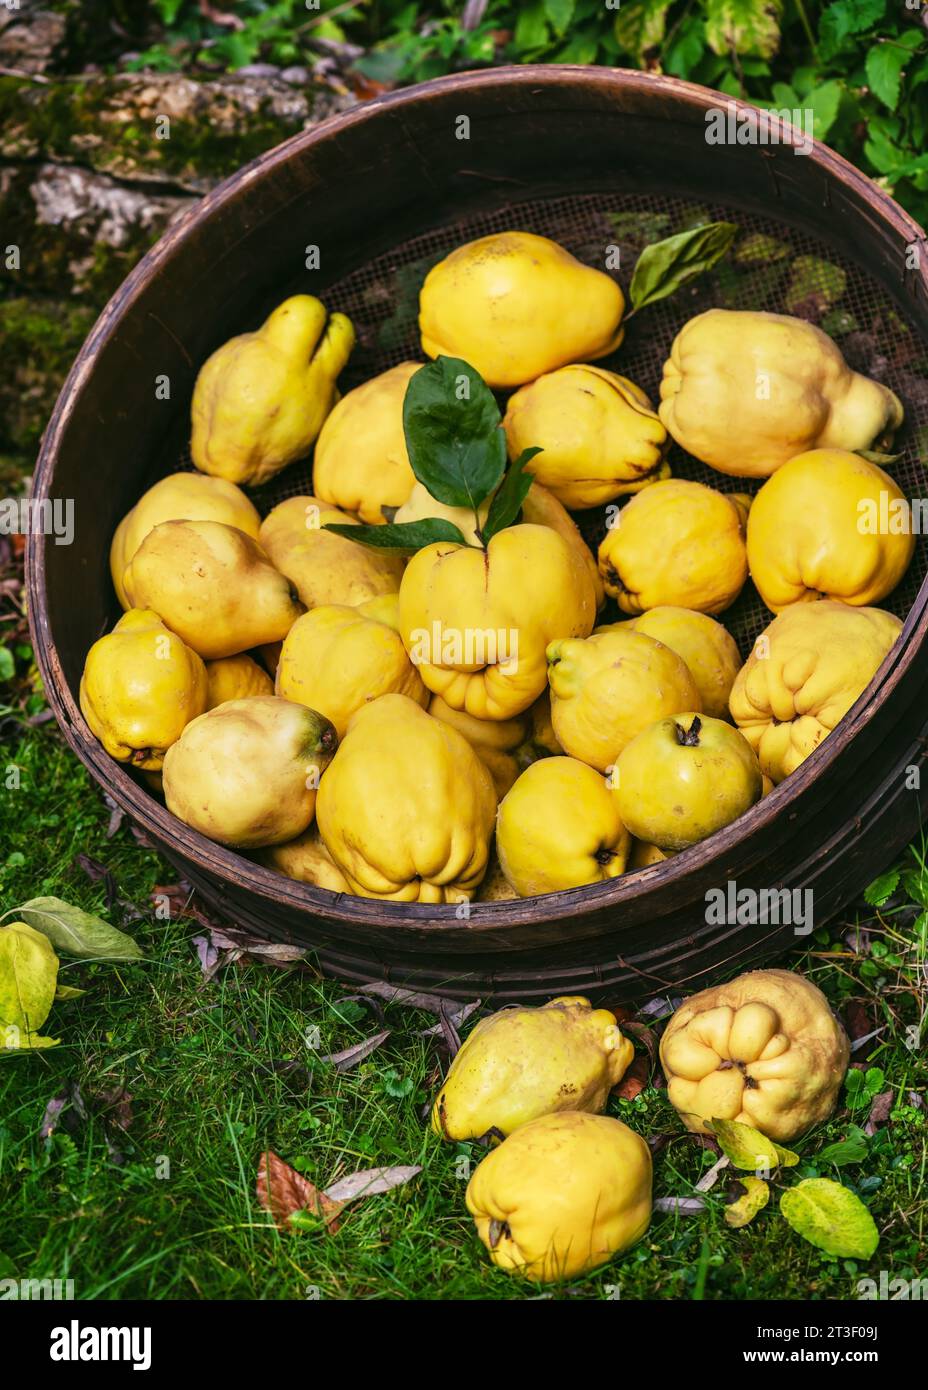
{"x": 351, "y": 1056}
{"x": 370, "y": 1181}
{"x": 283, "y": 1192}
{"x": 634, "y": 1081}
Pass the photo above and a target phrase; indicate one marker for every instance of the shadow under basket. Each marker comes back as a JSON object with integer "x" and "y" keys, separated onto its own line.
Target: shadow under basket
{"x": 596, "y": 159}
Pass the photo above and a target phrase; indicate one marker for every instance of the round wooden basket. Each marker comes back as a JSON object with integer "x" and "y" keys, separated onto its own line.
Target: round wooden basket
{"x": 591, "y": 157}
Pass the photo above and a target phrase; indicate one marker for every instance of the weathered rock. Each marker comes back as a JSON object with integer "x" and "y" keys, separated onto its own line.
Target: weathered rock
{"x": 31, "y": 37}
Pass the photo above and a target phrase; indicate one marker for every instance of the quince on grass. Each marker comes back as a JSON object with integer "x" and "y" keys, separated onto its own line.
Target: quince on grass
{"x": 141, "y": 686}
{"x": 677, "y": 543}
{"x": 212, "y": 585}
{"x": 406, "y": 809}
{"x": 259, "y": 401}
{"x": 515, "y": 305}
{"x": 179, "y": 497}
{"x": 235, "y": 678}
{"x": 745, "y": 392}
{"x": 708, "y": 649}
{"x": 360, "y": 463}
{"x": 560, "y": 827}
{"x": 245, "y": 774}
{"x": 476, "y": 622}
{"x": 606, "y": 689}
{"x": 805, "y": 671}
{"x": 562, "y": 1195}
{"x": 324, "y": 567}
{"x": 815, "y": 530}
{"x": 522, "y": 1063}
{"x": 764, "y": 1049}
{"x": 598, "y": 433}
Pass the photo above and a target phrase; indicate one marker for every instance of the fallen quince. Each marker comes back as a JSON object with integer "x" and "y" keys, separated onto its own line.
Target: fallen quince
{"x": 805, "y": 671}
{"x": 815, "y": 531}
{"x": 745, "y": 392}
{"x": 322, "y": 566}
{"x": 562, "y": 1195}
{"x": 360, "y": 463}
{"x": 522, "y": 1063}
{"x": 260, "y": 399}
{"x": 764, "y": 1049}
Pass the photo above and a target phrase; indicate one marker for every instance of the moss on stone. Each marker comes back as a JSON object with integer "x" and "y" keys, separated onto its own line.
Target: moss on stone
{"x": 41, "y": 340}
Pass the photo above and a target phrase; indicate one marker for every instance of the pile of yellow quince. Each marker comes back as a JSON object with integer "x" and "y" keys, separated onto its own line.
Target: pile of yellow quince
{"x": 403, "y": 665}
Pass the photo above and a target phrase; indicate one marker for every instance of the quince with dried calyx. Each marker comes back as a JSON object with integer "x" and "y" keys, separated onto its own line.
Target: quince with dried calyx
{"x": 522, "y": 1063}
{"x": 803, "y": 675}
{"x": 360, "y": 463}
{"x": 260, "y": 400}
{"x": 764, "y": 1049}
{"x": 745, "y": 392}
{"x": 322, "y": 566}
{"x": 823, "y": 526}
{"x": 562, "y": 1195}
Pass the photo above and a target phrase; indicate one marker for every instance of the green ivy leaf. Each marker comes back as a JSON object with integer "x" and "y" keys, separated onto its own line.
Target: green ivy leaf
{"x": 640, "y": 26}
{"x": 744, "y": 26}
{"x": 666, "y": 266}
{"x": 454, "y": 438}
{"x": 830, "y": 1217}
{"x": 744, "y": 1145}
{"x": 28, "y": 975}
{"x": 402, "y": 535}
{"x": 510, "y": 495}
{"x": 884, "y": 65}
{"x": 78, "y": 933}
{"x": 753, "y": 1199}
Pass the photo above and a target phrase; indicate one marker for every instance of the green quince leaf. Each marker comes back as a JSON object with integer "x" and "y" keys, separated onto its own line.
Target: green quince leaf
{"x": 745, "y": 1146}
{"x": 28, "y": 975}
{"x": 831, "y": 1217}
{"x": 77, "y": 933}
{"x": 510, "y": 495}
{"x": 454, "y": 436}
{"x": 666, "y": 266}
{"x": 753, "y": 1199}
{"x": 401, "y": 535}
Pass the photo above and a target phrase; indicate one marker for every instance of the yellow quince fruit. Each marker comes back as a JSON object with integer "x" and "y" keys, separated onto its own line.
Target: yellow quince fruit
{"x": 406, "y": 809}
{"x": 213, "y": 585}
{"x": 709, "y": 650}
{"x": 246, "y": 773}
{"x": 260, "y": 400}
{"x": 493, "y": 740}
{"x": 805, "y": 671}
{"x": 324, "y": 567}
{"x": 560, "y": 827}
{"x": 235, "y": 678}
{"x": 683, "y": 778}
{"x": 337, "y": 659}
{"x": 476, "y": 622}
{"x": 495, "y": 888}
{"x": 643, "y": 855}
{"x": 141, "y": 686}
{"x": 360, "y": 463}
{"x": 562, "y": 1195}
{"x": 307, "y": 860}
{"x": 764, "y": 1049}
{"x": 606, "y": 689}
{"x": 515, "y": 305}
{"x": 179, "y": 497}
{"x": 745, "y": 392}
{"x": 421, "y": 504}
{"x": 677, "y": 543}
{"x": 819, "y": 528}
{"x": 522, "y": 1063}
{"x": 598, "y": 433}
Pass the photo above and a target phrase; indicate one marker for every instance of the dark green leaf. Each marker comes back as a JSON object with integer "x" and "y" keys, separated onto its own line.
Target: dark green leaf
{"x": 670, "y": 264}
{"x": 456, "y": 446}
{"x": 559, "y": 13}
{"x": 844, "y": 18}
{"x": 882, "y": 888}
{"x": 884, "y": 65}
{"x": 851, "y": 1150}
{"x": 510, "y": 495}
{"x": 78, "y": 933}
{"x": 401, "y": 535}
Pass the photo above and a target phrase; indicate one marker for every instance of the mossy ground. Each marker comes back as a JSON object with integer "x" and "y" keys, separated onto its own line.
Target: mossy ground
{"x": 218, "y": 1071}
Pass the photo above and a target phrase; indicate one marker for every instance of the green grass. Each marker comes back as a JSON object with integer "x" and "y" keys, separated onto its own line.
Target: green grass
{"x": 218, "y": 1071}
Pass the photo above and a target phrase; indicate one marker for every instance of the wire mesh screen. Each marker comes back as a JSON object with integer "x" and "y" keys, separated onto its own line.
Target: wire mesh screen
{"x": 771, "y": 267}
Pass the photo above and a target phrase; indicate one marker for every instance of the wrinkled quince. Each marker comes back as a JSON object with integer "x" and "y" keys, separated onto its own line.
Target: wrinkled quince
{"x": 805, "y": 671}
{"x": 677, "y": 543}
{"x": 141, "y": 686}
{"x": 336, "y": 659}
{"x": 246, "y": 773}
{"x": 259, "y": 401}
{"x": 764, "y": 1049}
{"x": 360, "y": 463}
{"x": 560, "y": 827}
{"x": 493, "y": 740}
{"x": 235, "y": 678}
{"x": 598, "y": 433}
{"x": 815, "y": 531}
{"x": 745, "y": 392}
{"x": 323, "y": 566}
{"x": 708, "y": 649}
{"x": 683, "y": 778}
{"x": 606, "y": 689}
{"x": 406, "y": 809}
{"x": 562, "y": 1195}
{"x": 213, "y": 585}
{"x": 515, "y": 305}
{"x": 476, "y": 622}
{"x": 307, "y": 860}
{"x": 179, "y": 497}
{"x": 522, "y": 1063}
